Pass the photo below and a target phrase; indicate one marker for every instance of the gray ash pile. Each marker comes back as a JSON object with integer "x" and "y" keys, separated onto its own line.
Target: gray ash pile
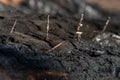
{"x": 47, "y": 47}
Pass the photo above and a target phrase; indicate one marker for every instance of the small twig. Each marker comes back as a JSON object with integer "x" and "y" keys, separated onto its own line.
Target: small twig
{"x": 48, "y": 27}
{"x": 106, "y": 24}
{"x": 78, "y": 33}
{"x": 80, "y": 23}
{"x": 97, "y": 37}
{"x": 13, "y": 27}
{"x": 56, "y": 46}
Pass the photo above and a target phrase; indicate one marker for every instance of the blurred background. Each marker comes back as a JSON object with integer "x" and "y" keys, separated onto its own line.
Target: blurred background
{"x": 94, "y": 9}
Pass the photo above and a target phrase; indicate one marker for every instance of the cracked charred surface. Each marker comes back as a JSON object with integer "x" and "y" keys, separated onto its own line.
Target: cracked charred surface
{"x": 26, "y": 56}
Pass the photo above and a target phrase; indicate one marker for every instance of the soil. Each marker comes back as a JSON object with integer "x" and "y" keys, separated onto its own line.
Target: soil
{"x": 28, "y": 55}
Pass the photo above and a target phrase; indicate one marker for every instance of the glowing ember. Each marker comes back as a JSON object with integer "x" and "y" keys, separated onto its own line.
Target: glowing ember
{"x": 13, "y": 3}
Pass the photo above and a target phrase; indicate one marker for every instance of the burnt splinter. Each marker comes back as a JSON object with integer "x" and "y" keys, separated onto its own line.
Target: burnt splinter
{"x": 79, "y": 33}
{"x": 13, "y": 28}
{"x": 48, "y": 27}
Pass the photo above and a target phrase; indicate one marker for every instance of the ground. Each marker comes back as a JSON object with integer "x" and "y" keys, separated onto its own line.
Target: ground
{"x": 27, "y": 55}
